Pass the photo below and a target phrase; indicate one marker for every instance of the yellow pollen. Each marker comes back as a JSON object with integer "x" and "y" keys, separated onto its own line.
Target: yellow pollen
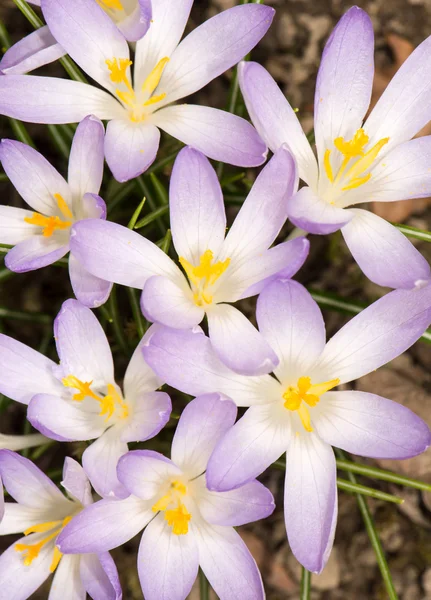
{"x": 118, "y": 71}
{"x": 108, "y": 403}
{"x": 51, "y": 224}
{"x": 153, "y": 79}
{"x": 110, "y": 4}
{"x": 32, "y": 550}
{"x": 178, "y": 517}
{"x": 204, "y": 275}
{"x": 327, "y": 165}
{"x": 306, "y": 393}
{"x": 355, "y": 147}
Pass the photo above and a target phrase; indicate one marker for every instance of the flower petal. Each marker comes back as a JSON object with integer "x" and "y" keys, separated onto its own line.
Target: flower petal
{"x": 35, "y": 50}
{"x": 130, "y": 148}
{"x": 139, "y": 377}
{"x": 212, "y": 48}
{"x": 198, "y": 217}
{"x": 86, "y": 157}
{"x": 17, "y": 517}
{"x": 143, "y": 472}
{"x": 174, "y": 562}
{"x": 21, "y": 368}
{"x": 310, "y": 500}
{"x": 274, "y": 118}
{"x": 291, "y": 322}
{"x": 34, "y": 253}
{"x": 383, "y": 253}
{"x": 309, "y": 212}
{"x": 227, "y": 563}
{"x": 258, "y": 439}
{"x": 75, "y": 481}
{"x": 136, "y": 25}
{"x": 99, "y": 576}
{"x": 217, "y": 133}
{"x": 238, "y": 343}
{"x": 67, "y": 580}
{"x": 90, "y": 290}
{"x": 203, "y": 422}
{"x": 13, "y": 227}
{"x": 150, "y": 414}
{"x": 369, "y": 425}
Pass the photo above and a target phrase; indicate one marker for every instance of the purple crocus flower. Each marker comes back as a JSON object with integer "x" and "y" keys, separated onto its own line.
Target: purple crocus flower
{"x": 132, "y": 17}
{"x": 164, "y": 72}
{"x": 42, "y": 237}
{"x": 41, "y": 512}
{"x": 187, "y": 525}
{"x": 79, "y": 399}
{"x": 295, "y": 411}
{"x": 218, "y": 269}
{"x": 356, "y": 162}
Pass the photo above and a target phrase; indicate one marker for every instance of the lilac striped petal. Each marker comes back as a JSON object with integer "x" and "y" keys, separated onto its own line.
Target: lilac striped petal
{"x": 130, "y": 148}
{"x": 150, "y": 414}
{"x": 310, "y": 500}
{"x": 67, "y": 577}
{"x": 309, "y": 212}
{"x": 139, "y": 377}
{"x": 258, "y": 439}
{"x": 13, "y": 228}
{"x": 203, "y": 422}
{"x": 383, "y": 253}
{"x": 99, "y": 576}
{"x": 86, "y": 157}
{"x": 174, "y": 561}
{"x": 135, "y": 25}
{"x": 90, "y": 290}
{"x": 35, "y": 50}
{"x": 216, "y": 133}
{"x": 238, "y": 344}
{"x": 370, "y": 425}
{"x": 35, "y": 253}
{"x": 143, "y": 472}
{"x": 75, "y": 482}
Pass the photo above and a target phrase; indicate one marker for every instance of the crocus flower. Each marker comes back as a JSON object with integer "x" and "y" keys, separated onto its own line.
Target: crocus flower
{"x": 187, "y": 525}
{"x": 41, "y": 511}
{"x": 295, "y": 411}
{"x": 132, "y": 17}
{"x": 356, "y": 162}
{"x": 79, "y": 399}
{"x": 164, "y": 72}
{"x": 218, "y": 269}
{"x": 42, "y": 237}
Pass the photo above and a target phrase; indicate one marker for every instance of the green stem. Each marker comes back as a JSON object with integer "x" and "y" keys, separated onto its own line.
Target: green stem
{"x": 21, "y": 132}
{"x": 376, "y": 473}
{"x": 6, "y": 313}
{"x": 413, "y": 232}
{"x": 305, "y": 584}
{"x": 142, "y": 186}
{"x": 116, "y": 324}
{"x": 136, "y": 310}
{"x": 204, "y": 586}
{"x": 59, "y": 140}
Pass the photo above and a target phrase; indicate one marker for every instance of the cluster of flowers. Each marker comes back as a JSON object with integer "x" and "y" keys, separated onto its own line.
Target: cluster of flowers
{"x": 188, "y": 505}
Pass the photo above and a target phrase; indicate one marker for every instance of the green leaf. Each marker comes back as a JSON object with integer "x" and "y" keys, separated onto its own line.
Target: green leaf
{"x": 376, "y": 473}
{"x": 136, "y": 214}
{"x": 418, "y": 234}
{"x": 153, "y": 216}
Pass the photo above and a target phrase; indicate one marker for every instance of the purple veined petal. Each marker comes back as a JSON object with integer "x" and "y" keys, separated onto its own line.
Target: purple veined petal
{"x": 150, "y": 414}
{"x": 165, "y": 302}
{"x": 167, "y": 26}
{"x": 378, "y": 334}
{"x": 81, "y": 344}
{"x": 291, "y": 322}
{"x": 136, "y": 24}
{"x": 115, "y": 253}
{"x": 35, "y": 50}
{"x": 186, "y": 360}
{"x": 13, "y": 228}
{"x": 238, "y": 343}
{"x": 212, "y": 48}
{"x": 295, "y": 253}
{"x": 143, "y": 472}
{"x": 309, "y": 212}
{"x": 216, "y": 133}
{"x": 54, "y": 100}
{"x": 64, "y": 420}
{"x": 404, "y": 107}
{"x": 67, "y": 580}
{"x": 197, "y": 213}
{"x": 203, "y": 422}
{"x": 248, "y": 503}
{"x": 344, "y": 81}
{"x": 34, "y": 178}
{"x": 18, "y": 518}
{"x": 100, "y": 461}
{"x": 22, "y": 369}
{"x": 90, "y": 290}
{"x": 35, "y": 252}
{"x": 274, "y": 118}
{"x": 87, "y": 157}
{"x": 139, "y": 377}
{"x": 369, "y": 425}
{"x": 258, "y": 439}
{"x": 310, "y": 500}
{"x": 99, "y": 576}
{"x": 228, "y": 563}
{"x": 75, "y": 481}
{"x": 88, "y": 35}
{"x": 130, "y": 148}
{"x": 104, "y": 525}
{"x": 174, "y": 561}
{"x": 383, "y": 253}
{"x": 264, "y": 211}
{"x": 27, "y": 484}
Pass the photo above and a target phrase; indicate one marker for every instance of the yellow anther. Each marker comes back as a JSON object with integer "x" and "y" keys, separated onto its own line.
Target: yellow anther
{"x": 327, "y": 165}
{"x": 178, "y": 518}
{"x": 110, "y": 4}
{"x": 153, "y": 79}
{"x": 154, "y": 99}
{"x": 108, "y": 403}
{"x": 204, "y": 275}
{"x": 367, "y": 160}
{"x": 306, "y": 392}
{"x": 118, "y": 70}
{"x": 354, "y": 147}
{"x": 62, "y": 205}
{"x": 83, "y": 386}
{"x": 32, "y": 551}
{"x": 51, "y": 224}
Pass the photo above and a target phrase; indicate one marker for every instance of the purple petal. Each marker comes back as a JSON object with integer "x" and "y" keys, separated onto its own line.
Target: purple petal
{"x": 99, "y": 576}
{"x": 93, "y": 207}
{"x": 75, "y": 481}
{"x": 150, "y": 414}
{"x": 135, "y": 25}
{"x": 67, "y": 577}
{"x": 88, "y": 289}
{"x": 35, "y": 50}
{"x": 203, "y": 422}
{"x": 35, "y": 253}
{"x": 309, "y": 212}
{"x": 139, "y": 377}
{"x": 86, "y": 157}
{"x": 143, "y": 472}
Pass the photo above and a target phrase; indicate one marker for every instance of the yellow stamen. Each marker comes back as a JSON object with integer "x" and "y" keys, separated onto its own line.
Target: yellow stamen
{"x": 153, "y": 79}
{"x": 355, "y": 146}
{"x": 327, "y": 165}
{"x": 32, "y": 551}
{"x": 51, "y": 224}
{"x": 154, "y": 100}
{"x": 204, "y": 275}
{"x": 110, "y": 4}
{"x": 108, "y": 403}
{"x": 62, "y": 205}
{"x": 304, "y": 415}
{"x": 306, "y": 393}
{"x": 178, "y": 518}
{"x": 118, "y": 70}
{"x": 367, "y": 160}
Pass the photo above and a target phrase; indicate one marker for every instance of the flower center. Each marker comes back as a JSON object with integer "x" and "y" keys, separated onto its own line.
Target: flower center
{"x": 204, "y": 276}
{"x": 109, "y": 404}
{"x": 356, "y": 161}
{"x": 305, "y": 393}
{"x": 137, "y": 103}
{"x": 51, "y": 224}
{"x": 31, "y": 551}
{"x": 176, "y": 513}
